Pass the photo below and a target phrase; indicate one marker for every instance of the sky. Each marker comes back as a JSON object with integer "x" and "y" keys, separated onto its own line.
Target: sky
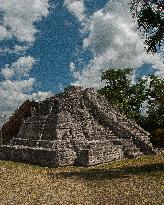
{"x": 47, "y": 45}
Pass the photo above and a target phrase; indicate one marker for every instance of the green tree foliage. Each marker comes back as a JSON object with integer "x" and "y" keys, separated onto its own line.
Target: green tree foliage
{"x": 121, "y": 93}
{"x": 155, "y": 97}
{"x": 150, "y": 17}
{"x": 130, "y": 98}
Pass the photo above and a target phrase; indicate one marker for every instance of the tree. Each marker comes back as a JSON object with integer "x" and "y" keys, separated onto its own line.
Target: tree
{"x": 121, "y": 93}
{"x": 150, "y": 17}
{"x": 131, "y": 97}
{"x": 155, "y": 100}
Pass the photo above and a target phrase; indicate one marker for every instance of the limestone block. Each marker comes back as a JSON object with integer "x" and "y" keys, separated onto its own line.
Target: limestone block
{"x": 31, "y": 131}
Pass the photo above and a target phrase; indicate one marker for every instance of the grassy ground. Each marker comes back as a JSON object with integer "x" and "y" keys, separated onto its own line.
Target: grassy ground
{"x": 138, "y": 181}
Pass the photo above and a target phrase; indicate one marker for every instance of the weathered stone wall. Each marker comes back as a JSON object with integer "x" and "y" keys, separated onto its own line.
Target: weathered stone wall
{"x": 61, "y": 154}
{"x": 97, "y": 152}
{"x": 121, "y": 126}
{"x": 12, "y": 126}
{"x": 76, "y": 127}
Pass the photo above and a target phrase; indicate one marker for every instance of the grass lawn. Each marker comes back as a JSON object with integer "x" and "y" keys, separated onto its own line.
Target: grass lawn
{"x": 135, "y": 181}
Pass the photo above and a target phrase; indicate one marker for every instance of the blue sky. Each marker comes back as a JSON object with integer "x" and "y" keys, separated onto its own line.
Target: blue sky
{"x": 46, "y": 45}
{"x": 57, "y": 44}
{"x": 55, "y": 47}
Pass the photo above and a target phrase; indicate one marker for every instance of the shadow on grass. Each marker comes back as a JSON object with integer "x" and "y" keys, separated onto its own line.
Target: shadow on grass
{"x": 109, "y": 174}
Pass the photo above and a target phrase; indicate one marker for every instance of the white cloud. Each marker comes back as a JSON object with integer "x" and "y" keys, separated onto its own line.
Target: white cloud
{"x": 14, "y": 93}
{"x": 17, "y": 20}
{"x": 144, "y": 108}
{"x": 18, "y": 69}
{"x": 18, "y": 85}
{"x": 76, "y": 7}
{"x": 116, "y": 43}
{"x": 7, "y": 73}
{"x": 3, "y": 117}
{"x": 39, "y": 96}
{"x": 4, "y": 33}
{"x": 19, "y": 17}
{"x": 15, "y": 89}
{"x": 16, "y": 49}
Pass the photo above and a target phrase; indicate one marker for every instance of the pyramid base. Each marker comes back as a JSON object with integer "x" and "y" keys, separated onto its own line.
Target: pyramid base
{"x": 37, "y": 156}
{"x": 84, "y": 153}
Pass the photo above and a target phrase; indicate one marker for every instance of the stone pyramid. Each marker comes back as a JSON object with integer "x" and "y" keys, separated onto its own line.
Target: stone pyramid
{"x": 76, "y": 127}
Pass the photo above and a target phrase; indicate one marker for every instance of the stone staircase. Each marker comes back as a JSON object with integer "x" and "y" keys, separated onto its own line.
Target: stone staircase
{"x": 121, "y": 126}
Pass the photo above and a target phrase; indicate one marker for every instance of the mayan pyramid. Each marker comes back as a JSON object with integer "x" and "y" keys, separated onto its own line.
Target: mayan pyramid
{"x": 76, "y": 127}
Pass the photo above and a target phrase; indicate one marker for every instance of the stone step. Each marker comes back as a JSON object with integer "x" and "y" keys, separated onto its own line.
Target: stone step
{"x": 39, "y": 156}
{"x": 129, "y": 148}
{"x": 23, "y": 142}
{"x": 31, "y": 143}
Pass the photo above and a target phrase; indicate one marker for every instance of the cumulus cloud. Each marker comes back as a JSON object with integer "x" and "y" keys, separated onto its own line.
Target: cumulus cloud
{"x": 17, "y": 86}
{"x": 14, "y": 93}
{"x": 12, "y": 98}
{"x": 3, "y": 117}
{"x": 16, "y": 49}
{"x": 39, "y": 96}
{"x": 115, "y": 43}
{"x": 20, "y": 85}
{"x": 76, "y": 7}
{"x": 18, "y": 69}
{"x": 17, "y": 21}
{"x": 19, "y": 17}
